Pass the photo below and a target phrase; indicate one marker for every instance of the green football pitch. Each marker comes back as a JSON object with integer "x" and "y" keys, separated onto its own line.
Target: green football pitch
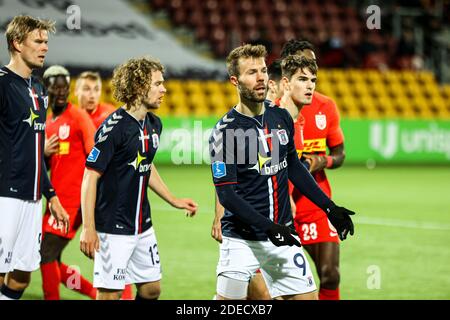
{"x": 399, "y": 250}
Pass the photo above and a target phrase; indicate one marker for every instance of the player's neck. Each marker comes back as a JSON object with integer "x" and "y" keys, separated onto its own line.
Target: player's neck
{"x": 19, "y": 67}
{"x": 137, "y": 112}
{"x": 58, "y": 110}
{"x": 287, "y": 103}
{"x": 250, "y": 108}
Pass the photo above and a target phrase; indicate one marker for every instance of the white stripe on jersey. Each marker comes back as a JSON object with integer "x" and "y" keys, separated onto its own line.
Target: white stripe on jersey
{"x": 36, "y": 147}
{"x": 138, "y": 207}
{"x": 36, "y": 182}
{"x": 141, "y": 182}
{"x": 269, "y": 182}
{"x": 262, "y": 136}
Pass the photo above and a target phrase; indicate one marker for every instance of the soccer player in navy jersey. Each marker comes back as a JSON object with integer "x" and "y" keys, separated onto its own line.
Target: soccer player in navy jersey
{"x": 117, "y": 226}
{"x": 252, "y": 157}
{"x": 23, "y": 175}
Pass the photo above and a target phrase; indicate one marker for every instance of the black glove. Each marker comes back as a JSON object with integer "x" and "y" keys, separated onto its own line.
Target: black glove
{"x": 340, "y": 219}
{"x": 282, "y": 236}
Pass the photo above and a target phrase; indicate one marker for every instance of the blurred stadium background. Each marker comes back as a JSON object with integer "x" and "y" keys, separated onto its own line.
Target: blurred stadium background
{"x": 392, "y": 86}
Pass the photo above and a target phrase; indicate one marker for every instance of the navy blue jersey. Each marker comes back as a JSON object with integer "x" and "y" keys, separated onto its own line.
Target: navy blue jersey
{"x": 251, "y": 152}
{"x": 23, "y": 109}
{"x": 123, "y": 153}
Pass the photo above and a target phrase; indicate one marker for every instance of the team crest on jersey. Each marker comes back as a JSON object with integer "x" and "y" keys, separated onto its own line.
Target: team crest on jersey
{"x": 45, "y": 99}
{"x": 155, "y": 140}
{"x": 219, "y": 169}
{"x": 283, "y": 137}
{"x": 321, "y": 121}
{"x": 64, "y": 131}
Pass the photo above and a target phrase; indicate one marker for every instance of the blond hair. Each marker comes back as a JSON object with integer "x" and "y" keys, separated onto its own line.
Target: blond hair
{"x": 21, "y": 26}
{"x": 90, "y": 75}
{"x": 132, "y": 80}
{"x": 292, "y": 63}
{"x": 245, "y": 51}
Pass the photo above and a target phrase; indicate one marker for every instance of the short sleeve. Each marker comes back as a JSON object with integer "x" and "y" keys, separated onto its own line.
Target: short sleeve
{"x": 106, "y": 142}
{"x": 335, "y": 135}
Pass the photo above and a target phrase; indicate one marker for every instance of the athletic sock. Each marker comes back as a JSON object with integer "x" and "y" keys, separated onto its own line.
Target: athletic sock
{"x": 127, "y": 293}
{"x": 10, "y": 294}
{"x": 50, "y": 280}
{"x": 328, "y": 294}
{"x": 85, "y": 288}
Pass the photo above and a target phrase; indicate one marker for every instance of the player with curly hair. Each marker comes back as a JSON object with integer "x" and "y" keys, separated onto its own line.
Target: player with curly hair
{"x": 117, "y": 226}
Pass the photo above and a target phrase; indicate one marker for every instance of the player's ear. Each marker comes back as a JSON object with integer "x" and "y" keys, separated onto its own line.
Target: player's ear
{"x": 234, "y": 80}
{"x": 17, "y": 45}
{"x": 286, "y": 84}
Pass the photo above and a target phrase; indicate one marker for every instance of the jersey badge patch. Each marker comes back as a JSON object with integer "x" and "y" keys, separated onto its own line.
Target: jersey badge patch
{"x": 283, "y": 137}
{"x": 64, "y": 131}
{"x": 219, "y": 169}
{"x": 155, "y": 140}
{"x": 93, "y": 156}
{"x": 321, "y": 121}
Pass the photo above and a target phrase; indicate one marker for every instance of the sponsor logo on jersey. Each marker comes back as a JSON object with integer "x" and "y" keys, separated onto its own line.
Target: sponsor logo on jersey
{"x": 31, "y": 120}
{"x": 219, "y": 169}
{"x": 265, "y": 168}
{"x": 321, "y": 121}
{"x": 93, "y": 156}
{"x": 315, "y": 145}
{"x": 137, "y": 163}
{"x": 64, "y": 131}
{"x": 283, "y": 137}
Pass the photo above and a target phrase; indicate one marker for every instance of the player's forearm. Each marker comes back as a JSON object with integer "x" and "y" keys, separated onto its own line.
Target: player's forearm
{"x": 219, "y": 209}
{"x": 159, "y": 187}
{"x": 88, "y": 198}
{"x": 234, "y": 203}
{"x": 337, "y": 155}
{"x": 48, "y": 190}
{"x": 306, "y": 184}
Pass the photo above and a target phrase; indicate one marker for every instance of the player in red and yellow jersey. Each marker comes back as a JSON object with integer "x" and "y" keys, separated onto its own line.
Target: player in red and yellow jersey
{"x": 88, "y": 89}
{"x": 321, "y": 130}
{"x": 70, "y": 137}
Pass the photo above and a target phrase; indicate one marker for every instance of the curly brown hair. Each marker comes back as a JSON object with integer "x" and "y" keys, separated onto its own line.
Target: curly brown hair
{"x": 292, "y": 63}
{"x": 21, "y": 26}
{"x": 245, "y": 51}
{"x": 132, "y": 80}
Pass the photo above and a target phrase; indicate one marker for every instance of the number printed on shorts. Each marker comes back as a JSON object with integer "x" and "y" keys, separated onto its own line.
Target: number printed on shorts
{"x": 154, "y": 254}
{"x": 309, "y": 231}
{"x": 299, "y": 261}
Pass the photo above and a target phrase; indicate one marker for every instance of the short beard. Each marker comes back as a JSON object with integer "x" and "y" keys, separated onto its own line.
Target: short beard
{"x": 150, "y": 106}
{"x": 249, "y": 95}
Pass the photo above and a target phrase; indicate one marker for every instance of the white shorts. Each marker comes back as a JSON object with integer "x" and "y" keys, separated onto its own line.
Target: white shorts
{"x": 20, "y": 234}
{"x": 285, "y": 269}
{"x": 125, "y": 259}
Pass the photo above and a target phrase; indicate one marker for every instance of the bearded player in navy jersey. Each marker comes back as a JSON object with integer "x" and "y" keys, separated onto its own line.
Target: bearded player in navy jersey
{"x": 252, "y": 158}
{"x": 23, "y": 175}
{"x": 117, "y": 225}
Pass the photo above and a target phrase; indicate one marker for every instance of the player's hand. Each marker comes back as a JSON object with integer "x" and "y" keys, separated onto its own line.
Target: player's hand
{"x": 89, "y": 242}
{"x": 188, "y": 204}
{"x": 318, "y": 163}
{"x": 51, "y": 145}
{"x": 282, "y": 236}
{"x": 216, "y": 230}
{"x": 59, "y": 213}
{"x": 340, "y": 219}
